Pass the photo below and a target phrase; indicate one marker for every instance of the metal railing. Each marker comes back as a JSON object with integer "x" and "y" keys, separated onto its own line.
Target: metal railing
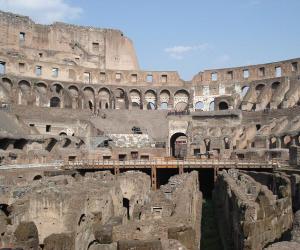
{"x": 169, "y": 163}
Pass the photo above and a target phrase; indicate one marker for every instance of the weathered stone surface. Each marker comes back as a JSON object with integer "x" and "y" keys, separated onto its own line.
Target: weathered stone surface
{"x": 59, "y": 242}
{"x": 285, "y": 245}
{"x": 26, "y": 236}
{"x": 249, "y": 214}
{"x": 296, "y": 227}
{"x": 139, "y": 244}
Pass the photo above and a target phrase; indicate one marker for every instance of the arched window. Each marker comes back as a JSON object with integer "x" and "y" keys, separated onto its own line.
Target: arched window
{"x": 199, "y": 106}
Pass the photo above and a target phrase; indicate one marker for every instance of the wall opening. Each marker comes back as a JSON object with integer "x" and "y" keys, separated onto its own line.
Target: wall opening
{"x": 127, "y": 206}
{"x": 223, "y": 106}
{"x": 55, "y": 102}
{"x": 178, "y": 145}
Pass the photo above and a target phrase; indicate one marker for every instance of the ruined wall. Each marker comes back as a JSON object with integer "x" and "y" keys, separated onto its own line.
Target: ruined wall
{"x": 251, "y": 215}
{"x": 99, "y": 211}
{"x": 61, "y": 43}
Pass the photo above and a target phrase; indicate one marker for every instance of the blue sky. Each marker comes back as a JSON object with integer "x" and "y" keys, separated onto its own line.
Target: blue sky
{"x": 187, "y": 36}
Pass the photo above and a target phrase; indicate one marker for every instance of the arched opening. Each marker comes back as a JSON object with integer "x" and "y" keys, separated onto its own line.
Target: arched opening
{"x": 150, "y": 98}
{"x": 62, "y": 134}
{"x": 91, "y": 106}
{"x": 181, "y": 100}
{"x": 104, "y": 98}
{"x": 178, "y": 145}
{"x": 212, "y": 106}
{"x": 81, "y": 219}
{"x": 199, "y": 106}
{"x": 127, "y": 206}
{"x": 164, "y": 98}
{"x": 37, "y": 177}
{"x": 89, "y": 97}
{"x": 259, "y": 87}
{"x": 41, "y": 88}
{"x": 275, "y": 85}
{"x": 273, "y": 143}
{"x": 54, "y": 102}
{"x": 164, "y": 106}
{"x": 207, "y": 145}
{"x": 151, "y": 106}
{"x": 74, "y": 91}
{"x": 223, "y": 106}
{"x": 226, "y": 143}
{"x": 121, "y": 100}
{"x": 56, "y": 88}
{"x": 7, "y": 84}
{"x": 5, "y": 209}
{"x": 135, "y": 98}
{"x": 244, "y": 91}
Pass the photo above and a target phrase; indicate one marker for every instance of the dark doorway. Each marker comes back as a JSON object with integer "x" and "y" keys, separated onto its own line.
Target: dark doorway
{"x": 55, "y": 102}
{"x": 178, "y": 145}
{"x": 126, "y": 205}
{"x": 223, "y": 106}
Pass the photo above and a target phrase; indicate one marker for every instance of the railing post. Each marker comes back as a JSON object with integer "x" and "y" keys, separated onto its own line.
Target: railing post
{"x": 153, "y": 177}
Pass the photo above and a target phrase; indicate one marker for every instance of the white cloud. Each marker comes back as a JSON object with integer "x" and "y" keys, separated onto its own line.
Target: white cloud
{"x": 42, "y": 11}
{"x": 179, "y": 51}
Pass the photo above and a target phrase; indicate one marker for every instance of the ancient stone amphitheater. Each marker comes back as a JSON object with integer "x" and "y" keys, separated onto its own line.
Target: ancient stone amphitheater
{"x": 98, "y": 154}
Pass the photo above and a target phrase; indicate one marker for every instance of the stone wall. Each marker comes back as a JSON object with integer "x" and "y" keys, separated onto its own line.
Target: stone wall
{"x": 251, "y": 215}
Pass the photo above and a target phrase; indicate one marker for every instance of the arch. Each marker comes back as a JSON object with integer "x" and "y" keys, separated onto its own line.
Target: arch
{"x": 199, "y": 106}
{"x": 244, "y": 91}
{"x": 207, "y": 144}
{"x": 150, "y": 99}
{"x": 223, "y": 105}
{"x": 178, "y": 145}
{"x": 212, "y": 106}
{"x": 56, "y": 88}
{"x": 55, "y": 102}
{"x": 164, "y": 97}
{"x": 89, "y": 96}
{"x": 275, "y": 85}
{"x": 7, "y": 83}
{"x": 121, "y": 100}
{"x": 74, "y": 91}
{"x": 63, "y": 134}
{"x": 181, "y": 100}
{"x": 41, "y": 87}
{"x": 259, "y": 87}
{"x": 37, "y": 177}
{"x": 135, "y": 98}
{"x": 104, "y": 97}
{"x": 24, "y": 86}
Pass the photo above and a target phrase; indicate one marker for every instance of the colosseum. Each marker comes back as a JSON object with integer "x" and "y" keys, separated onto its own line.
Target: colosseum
{"x": 96, "y": 153}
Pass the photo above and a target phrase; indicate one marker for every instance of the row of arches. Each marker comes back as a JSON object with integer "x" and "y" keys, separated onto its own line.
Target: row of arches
{"x": 56, "y": 95}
